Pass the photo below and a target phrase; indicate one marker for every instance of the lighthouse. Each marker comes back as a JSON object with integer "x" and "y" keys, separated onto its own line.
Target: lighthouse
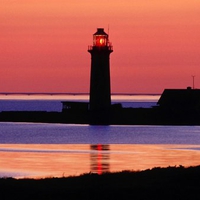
{"x": 100, "y": 97}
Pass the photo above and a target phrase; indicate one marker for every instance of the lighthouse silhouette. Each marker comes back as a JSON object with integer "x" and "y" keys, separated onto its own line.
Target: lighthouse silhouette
{"x": 100, "y": 97}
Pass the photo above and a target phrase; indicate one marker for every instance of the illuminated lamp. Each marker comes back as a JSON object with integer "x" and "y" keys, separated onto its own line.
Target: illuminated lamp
{"x": 100, "y": 38}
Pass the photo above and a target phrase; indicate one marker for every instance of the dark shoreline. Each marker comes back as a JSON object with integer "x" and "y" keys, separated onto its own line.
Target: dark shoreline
{"x": 124, "y": 116}
{"x": 158, "y": 183}
{"x": 175, "y": 107}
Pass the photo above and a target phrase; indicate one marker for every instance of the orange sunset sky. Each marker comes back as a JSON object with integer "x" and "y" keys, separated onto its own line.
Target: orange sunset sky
{"x": 43, "y": 44}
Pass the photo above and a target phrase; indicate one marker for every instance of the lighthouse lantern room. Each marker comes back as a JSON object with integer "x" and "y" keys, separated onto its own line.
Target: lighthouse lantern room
{"x": 100, "y": 38}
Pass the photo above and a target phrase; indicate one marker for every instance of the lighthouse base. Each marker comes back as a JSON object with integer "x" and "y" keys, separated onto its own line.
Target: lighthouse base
{"x": 100, "y": 117}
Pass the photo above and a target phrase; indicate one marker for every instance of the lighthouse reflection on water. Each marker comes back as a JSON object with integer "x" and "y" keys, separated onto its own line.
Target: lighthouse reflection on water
{"x": 99, "y": 158}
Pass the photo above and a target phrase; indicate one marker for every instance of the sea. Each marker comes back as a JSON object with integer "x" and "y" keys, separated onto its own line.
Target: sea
{"x": 39, "y": 150}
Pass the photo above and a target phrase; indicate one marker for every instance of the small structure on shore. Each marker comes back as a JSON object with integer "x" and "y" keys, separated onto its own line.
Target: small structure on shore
{"x": 180, "y": 100}
{"x": 74, "y": 106}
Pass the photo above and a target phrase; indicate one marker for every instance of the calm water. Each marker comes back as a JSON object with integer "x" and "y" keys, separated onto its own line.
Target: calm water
{"x": 53, "y": 102}
{"x": 43, "y": 150}
{"x": 36, "y": 133}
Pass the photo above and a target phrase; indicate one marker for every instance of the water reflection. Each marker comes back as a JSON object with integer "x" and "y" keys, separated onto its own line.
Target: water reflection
{"x": 99, "y": 158}
{"x": 57, "y": 160}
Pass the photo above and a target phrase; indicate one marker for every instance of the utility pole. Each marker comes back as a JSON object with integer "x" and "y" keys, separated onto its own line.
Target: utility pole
{"x": 193, "y": 81}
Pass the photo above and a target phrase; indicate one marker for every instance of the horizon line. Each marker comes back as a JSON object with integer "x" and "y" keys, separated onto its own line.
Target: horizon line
{"x": 70, "y": 93}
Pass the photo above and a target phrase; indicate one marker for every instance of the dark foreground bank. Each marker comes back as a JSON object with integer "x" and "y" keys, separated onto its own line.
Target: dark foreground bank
{"x": 158, "y": 183}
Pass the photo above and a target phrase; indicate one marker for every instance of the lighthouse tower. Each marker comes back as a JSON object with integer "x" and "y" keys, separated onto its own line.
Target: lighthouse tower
{"x": 100, "y": 98}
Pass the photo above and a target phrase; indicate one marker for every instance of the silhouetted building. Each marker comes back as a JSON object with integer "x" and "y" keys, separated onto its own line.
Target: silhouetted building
{"x": 179, "y": 106}
{"x": 100, "y": 71}
{"x": 100, "y": 98}
{"x": 180, "y": 100}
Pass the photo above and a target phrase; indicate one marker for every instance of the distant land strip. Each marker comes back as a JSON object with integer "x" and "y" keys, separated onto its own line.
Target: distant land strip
{"x": 63, "y": 93}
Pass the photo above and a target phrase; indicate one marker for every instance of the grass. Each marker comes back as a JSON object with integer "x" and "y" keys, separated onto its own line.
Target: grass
{"x": 158, "y": 183}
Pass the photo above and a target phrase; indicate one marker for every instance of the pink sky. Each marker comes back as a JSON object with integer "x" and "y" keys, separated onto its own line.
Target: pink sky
{"x": 43, "y": 44}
